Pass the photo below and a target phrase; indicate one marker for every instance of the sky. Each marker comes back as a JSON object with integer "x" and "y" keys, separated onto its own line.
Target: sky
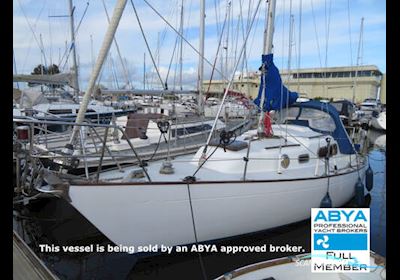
{"x": 326, "y": 33}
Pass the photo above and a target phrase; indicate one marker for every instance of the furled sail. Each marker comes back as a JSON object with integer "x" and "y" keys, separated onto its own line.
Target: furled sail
{"x": 277, "y": 96}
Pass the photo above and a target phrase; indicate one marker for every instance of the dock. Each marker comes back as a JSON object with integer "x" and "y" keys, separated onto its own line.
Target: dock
{"x": 26, "y": 265}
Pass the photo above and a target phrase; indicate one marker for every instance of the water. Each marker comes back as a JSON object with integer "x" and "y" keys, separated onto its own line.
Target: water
{"x": 54, "y": 221}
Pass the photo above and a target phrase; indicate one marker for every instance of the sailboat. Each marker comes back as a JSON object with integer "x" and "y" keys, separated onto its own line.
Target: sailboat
{"x": 298, "y": 158}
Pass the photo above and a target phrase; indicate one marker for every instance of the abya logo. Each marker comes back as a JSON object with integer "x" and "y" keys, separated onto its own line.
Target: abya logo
{"x": 340, "y": 240}
{"x": 323, "y": 242}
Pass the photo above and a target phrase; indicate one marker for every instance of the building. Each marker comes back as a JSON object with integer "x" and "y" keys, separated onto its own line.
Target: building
{"x": 382, "y": 95}
{"x": 246, "y": 85}
{"x": 326, "y": 83}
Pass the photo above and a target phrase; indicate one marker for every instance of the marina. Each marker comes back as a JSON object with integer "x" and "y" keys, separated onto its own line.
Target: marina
{"x": 208, "y": 173}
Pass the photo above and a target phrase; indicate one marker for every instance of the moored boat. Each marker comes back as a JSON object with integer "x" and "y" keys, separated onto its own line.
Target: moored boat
{"x": 379, "y": 121}
{"x": 298, "y": 267}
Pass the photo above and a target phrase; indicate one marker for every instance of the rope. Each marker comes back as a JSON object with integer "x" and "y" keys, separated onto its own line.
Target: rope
{"x": 203, "y": 270}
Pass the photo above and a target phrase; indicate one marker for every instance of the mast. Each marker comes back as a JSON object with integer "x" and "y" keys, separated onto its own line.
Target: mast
{"x": 75, "y": 66}
{"x": 91, "y": 51}
{"x": 201, "y": 55}
{"x": 108, "y": 39}
{"x": 227, "y": 39}
{"x": 181, "y": 48}
{"x": 144, "y": 71}
{"x": 268, "y": 36}
{"x": 358, "y": 60}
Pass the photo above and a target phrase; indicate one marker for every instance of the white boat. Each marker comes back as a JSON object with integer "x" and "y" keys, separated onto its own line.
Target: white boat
{"x": 68, "y": 111}
{"x": 369, "y": 105}
{"x": 236, "y": 186}
{"x": 278, "y": 183}
{"x": 379, "y": 122}
{"x": 298, "y": 267}
{"x": 377, "y": 138}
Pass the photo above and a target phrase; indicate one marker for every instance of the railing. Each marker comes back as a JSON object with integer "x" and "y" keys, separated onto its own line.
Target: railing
{"x": 91, "y": 148}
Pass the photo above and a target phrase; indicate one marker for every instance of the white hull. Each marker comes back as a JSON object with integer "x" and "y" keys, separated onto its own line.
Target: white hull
{"x": 379, "y": 122}
{"x": 134, "y": 214}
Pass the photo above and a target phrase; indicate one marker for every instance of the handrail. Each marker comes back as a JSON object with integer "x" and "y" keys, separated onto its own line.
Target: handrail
{"x": 95, "y": 135}
{"x": 102, "y": 155}
{"x": 90, "y": 125}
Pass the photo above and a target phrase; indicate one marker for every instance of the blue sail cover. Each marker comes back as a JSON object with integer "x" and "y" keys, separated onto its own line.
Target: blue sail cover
{"x": 276, "y": 94}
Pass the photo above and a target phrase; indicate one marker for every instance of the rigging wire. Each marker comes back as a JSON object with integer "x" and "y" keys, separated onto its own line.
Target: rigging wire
{"x": 83, "y": 15}
{"x": 114, "y": 72}
{"x": 161, "y": 40}
{"x": 282, "y": 61}
{"x": 291, "y": 35}
{"x": 15, "y": 67}
{"x": 328, "y": 19}
{"x": 51, "y": 43}
{"x": 203, "y": 270}
{"x": 170, "y": 62}
{"x": 244, "y": 63}
{"x": 231, "y": 79}
{"x": 216, "y": 55}
{"x": 124, "y": 68}
{"x": 183, "y": 38}
{"x": 299, "y": 48}
{"x": 181, "y": 48}
{"x": 68, "y": 51}
{"x": 350, "y": 39}
{"x": 147, "y": 44}
{"x": 316, "y": 34}
{"x": 254, "y": 33}
{"x": 33, "y": 32}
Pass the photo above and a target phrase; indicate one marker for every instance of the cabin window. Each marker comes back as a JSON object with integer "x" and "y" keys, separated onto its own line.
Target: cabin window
{"x": 60, "y": 111}
{"x": 315, "y": 119}
{"x": 318, "y": 119}
{"x": 291, "y": 114}
{"x": 190, "y": 130}
{"x": 304, "y": 158}
{"x": 338, "y": 106}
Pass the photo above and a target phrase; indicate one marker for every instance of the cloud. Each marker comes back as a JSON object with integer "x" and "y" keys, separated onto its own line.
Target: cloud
{"x": 132, "y": 46}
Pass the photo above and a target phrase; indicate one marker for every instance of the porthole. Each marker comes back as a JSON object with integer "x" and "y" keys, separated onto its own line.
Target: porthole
{"x": 285, "y": 161}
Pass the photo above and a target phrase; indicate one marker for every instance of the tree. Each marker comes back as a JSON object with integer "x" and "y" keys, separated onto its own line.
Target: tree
{"x": 43, "y": 70}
